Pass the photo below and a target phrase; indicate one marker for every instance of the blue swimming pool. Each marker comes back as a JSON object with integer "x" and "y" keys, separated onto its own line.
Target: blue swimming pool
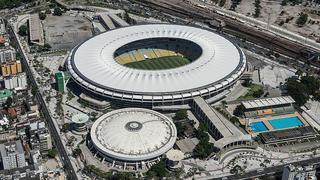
{"x": 258, "y": 127}
{"x": 289, "y": 122}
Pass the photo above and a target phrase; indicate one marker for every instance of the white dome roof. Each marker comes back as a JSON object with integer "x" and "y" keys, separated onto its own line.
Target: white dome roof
{"x": 133, "y": 134}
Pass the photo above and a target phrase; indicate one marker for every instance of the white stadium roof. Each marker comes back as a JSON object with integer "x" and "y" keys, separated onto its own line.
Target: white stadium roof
{"x": 133, "y": 134}
{"x": 93, "y": 66}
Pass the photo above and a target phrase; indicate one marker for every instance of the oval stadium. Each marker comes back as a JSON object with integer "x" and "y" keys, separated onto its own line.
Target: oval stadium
{"x": 156, "y": 64}
{"x": 132, "y": 137}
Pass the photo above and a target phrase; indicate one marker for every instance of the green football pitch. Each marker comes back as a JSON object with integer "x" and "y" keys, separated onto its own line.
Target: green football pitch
{"x": 168, "y": 62}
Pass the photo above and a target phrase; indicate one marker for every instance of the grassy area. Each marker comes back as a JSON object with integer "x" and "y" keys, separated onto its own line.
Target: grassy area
{"x": 168, "y": 62}
{"x": 255, "y": 91}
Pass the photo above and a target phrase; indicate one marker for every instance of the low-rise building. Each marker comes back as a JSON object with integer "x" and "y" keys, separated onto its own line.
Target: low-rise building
{"x": 16, "y": 81}
{"x": 299, "y": 173}
{"x": 7, "y": 54}
{"x": 12, "y": 155}
{"x": 11, "y": 68}
{"x": 4, "y": 95}
{"x": 94, "y": 103}
{"x": 40, "y": 137}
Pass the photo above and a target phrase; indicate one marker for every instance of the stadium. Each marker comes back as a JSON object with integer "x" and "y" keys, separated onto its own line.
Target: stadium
{"x": 156, "y": 64}
{"x": 133, "y": 138}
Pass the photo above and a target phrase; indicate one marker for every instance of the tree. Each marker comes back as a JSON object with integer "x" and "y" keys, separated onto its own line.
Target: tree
{"x": 76, "y": 152}
{"x": 257, "y": 8}
{"x": 297, "y": 91}
{"x": 302, "y": 19}
{"x": 247, "y": 82}
{"x": 52, "y": 153}
{"x": 34, "y": 90}
{"x": 258, "y": 93}
{"x": 65, "y": 127}
{"x": 299, "y": 72}
{"x": 181, "y": 114}
{"x": 8, "y": 102}
{"x": 239, "y": 110}
{"x": 158, "y": 170}
{"x": 312, "y": 84}
{"x": 23, "y": 30}
{"x": 284, "y": 2}
{"x": 42, "y": 15}
{"x": 48, "y": 11}
{"x": 180, "y": 128}
{"x": 57, "y": 11}
{"x": 222, "y": 3}
{"x": 234, "y": 119}
{"x": 46, "y": 47}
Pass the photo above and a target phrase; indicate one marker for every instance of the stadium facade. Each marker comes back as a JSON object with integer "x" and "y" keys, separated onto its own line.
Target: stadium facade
{"x": 99, "y": 64}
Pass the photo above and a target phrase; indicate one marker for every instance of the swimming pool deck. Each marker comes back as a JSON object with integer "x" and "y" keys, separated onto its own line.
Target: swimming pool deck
{"x": 266, "y": 119}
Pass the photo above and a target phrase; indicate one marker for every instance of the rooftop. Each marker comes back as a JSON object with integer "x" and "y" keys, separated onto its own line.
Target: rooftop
{"x": 221, "y": 60}
{"x": 133, "y": 134}
{"x": 35, "y": 28}
{"x": 266, "y": 102}
{"x": 5, "y": 93}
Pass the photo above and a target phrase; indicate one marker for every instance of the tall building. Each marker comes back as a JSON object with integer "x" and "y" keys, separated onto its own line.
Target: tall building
{"x": 12, "y": 155}
{"x": 40, "y": 137}
{"x": 16, "y": 81}
{"x": 60, "y": 84}
{"x": 7, "y": 55}
{"x": 11, "y": 68}
{"x": 2, "y": 27}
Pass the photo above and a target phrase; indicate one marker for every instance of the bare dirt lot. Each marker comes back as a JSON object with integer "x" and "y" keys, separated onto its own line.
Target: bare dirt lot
{"x": 65, "y": 32}
{"x": 273, "y": 12}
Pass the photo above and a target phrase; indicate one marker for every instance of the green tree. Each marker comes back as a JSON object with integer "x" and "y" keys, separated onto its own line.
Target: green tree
{"x": 52, "y": 153}
{"x": 42, "y": 15}
{"x": 158, "y": 170}
{"x": 181, "y": 114}
{"x": 34, "y": 90}
{"x": 222, "y": 3}
{"x": 57, "y": 11}
{"x": 8, "y": 102}
{"x": 257, "y": 8}
{"x": 180, "y": 128}
{"x": 76, "y": 152}
{"x": 302, "y": 19}
{"x": 297, "y": 91}
{"x": 48, "y": 11}
{"x": 258, "y": 93}
{"x": 312, "y": 84}
{"x": 65, "y": 127}
{"x": 23, "y": 30}
{"x": 234, "y": 119}
{"x": 284, "y": 2}
{"x": 239, "y": 110}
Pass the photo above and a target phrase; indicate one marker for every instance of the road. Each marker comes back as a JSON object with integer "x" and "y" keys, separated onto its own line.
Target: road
{"x": 266, "y": 171}
{"x": 53, "y": 131}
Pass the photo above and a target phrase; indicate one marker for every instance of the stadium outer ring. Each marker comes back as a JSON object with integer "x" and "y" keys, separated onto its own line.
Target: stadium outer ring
{"x": 180, "y": 96}
{"x": 132, "y": 158}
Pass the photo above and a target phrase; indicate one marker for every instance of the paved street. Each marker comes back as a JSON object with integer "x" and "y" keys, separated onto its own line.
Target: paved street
{"x": 53, "y": 131}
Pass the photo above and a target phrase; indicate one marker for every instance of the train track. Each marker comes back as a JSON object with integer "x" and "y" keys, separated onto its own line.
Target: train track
{"x": 233, "y": 27}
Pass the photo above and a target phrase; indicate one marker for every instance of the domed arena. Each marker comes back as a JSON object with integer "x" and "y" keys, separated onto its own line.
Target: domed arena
{"x": 156, "y": 64}
{"x": 132, "y": 138}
